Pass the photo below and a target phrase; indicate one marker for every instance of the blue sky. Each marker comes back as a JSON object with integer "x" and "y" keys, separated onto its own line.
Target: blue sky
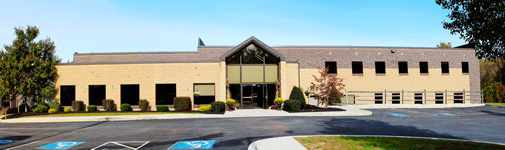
{"x": 144, "y": 26}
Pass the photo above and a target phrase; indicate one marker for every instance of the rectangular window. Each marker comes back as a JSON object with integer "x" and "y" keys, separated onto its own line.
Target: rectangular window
{"x": 380, "y": 67}
{"x": 423, "y": 67}
{"x": 130, "y": 94}
{"x": 445, "y": 67}
{"x": 395, "y": 98}
{"x": 403, "y": 67}
{"x": 464, "y": 67}
{"x": 439, "y": 98}
{"x": 418, "y": 98}
{"x": 206, "y": 91}
{"x": 332, "y": 66}
{"x": 458, "y": 98}
{"x": 378, "y": 98}
{"x": 357, "y": 67}
{"x": 96, "y": 94}
{"x": 67, "y": 95}
{"x": 165, "y": 94}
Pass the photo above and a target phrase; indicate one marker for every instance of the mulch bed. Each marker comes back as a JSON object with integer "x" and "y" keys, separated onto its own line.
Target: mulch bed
{"x": 312, "y": 108}
{"x": 25, "y": 114}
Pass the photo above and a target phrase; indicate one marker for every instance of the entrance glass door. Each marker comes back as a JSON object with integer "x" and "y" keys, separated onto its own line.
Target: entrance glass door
{"x": 253, "y": 95}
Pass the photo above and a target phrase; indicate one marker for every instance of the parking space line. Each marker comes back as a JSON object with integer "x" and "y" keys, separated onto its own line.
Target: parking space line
{"x": 22, "y": 145}
{"x": 119, "y": 144}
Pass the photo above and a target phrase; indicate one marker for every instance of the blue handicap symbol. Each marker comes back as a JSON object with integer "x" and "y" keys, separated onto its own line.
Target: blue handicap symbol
{"x": 208, "y": 144}
{"x": 398, "y": 114}
{"x": 3, "y": 141}
{"x": 61, "y": 145}
{"x": 447, "y": 114}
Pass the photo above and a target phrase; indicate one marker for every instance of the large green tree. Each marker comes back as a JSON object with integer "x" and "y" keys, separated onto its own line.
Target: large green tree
{"x": 28, "y": 67}
{"x": 478, "y": 22}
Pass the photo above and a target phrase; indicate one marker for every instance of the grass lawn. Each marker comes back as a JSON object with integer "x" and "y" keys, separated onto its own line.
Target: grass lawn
{"x": 496, "y": 103}
{"x": 389, "y": 143}
{"x": 107, "y": 114}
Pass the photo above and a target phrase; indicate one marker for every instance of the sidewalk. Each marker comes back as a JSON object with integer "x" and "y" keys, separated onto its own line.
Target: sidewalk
{"x": 227, "y": 114}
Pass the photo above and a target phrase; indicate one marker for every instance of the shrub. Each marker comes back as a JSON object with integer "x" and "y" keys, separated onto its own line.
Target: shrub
{"x": 91, "y": 108}
{"x": 292, "y": 105}
{"x": 218, "y": 106}
{"x": 67, "y": 109}
{"x": 40, "y": 108}
{"x": 78, "y": 106}
{"x": 278, "y": 101}
{"x": 297, "y": 94}
{"x": 108, "y": 105}
{"x": 143, "y": 105}
{"x": 52, "y": 111}
{"x": 230, "y": 102}
{"x": 182, "y": 103}
{"x": 162, "y": 108}
{"x": 56, "y": 106}
{"x": 126, "y": 107}
{"x": 203, "y": 108}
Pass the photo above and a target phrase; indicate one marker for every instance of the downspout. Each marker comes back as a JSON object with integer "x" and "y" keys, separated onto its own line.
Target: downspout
{"x": 299, "y": 74}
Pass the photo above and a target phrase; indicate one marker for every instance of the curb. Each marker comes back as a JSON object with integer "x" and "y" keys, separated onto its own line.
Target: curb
{"x": 496, "y": 106}
{"x": 254, "y": 145}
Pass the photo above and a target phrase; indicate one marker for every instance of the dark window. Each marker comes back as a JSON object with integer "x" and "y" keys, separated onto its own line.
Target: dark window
{"x": 252, "y": 54}
{"x": 380, "y": 67}
{"x": 378, "y": 98}
{"x": 423, "y": 67}
{"x": 67, "y": 95}
{"x": 357, "y": 67}
{"x": 445, "y": 67}
{"x": 458, "y": 97}
{"x": 403, "y": 67}
{"x": 331, "y": 65}
{"x": 96, "y": 94}
{"x": 464, "y": 67}
{"x": 206, "y": 91}
{"x": 165, "y": 94}
{"x": 418, "y": 98}
{"x": 439, "y": 98}
{"x": 396, "y": 98}
{"x": 130, "y": 94}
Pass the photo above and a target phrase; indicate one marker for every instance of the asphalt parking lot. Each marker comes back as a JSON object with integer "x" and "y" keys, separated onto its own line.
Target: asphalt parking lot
{"x": 476, "y": 123}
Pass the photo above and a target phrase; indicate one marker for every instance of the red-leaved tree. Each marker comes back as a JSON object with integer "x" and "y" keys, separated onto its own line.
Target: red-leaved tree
{"x": 325, "y": 86}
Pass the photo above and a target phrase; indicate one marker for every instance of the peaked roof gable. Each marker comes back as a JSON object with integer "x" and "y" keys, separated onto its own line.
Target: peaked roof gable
{"x": 256, "y": 41}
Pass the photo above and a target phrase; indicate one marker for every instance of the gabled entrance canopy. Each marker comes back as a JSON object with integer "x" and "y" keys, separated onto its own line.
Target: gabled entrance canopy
{"x": 256, "y": 42}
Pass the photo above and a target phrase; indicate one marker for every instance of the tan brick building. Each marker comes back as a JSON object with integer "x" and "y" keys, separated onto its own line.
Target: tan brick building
{"x": 255, "y": 74}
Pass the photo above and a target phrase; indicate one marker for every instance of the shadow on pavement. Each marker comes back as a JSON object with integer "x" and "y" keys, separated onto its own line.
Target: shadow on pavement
{"x": 341, "y": 126}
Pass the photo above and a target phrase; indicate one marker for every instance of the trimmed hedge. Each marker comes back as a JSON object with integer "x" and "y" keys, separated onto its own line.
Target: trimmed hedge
{"x": 126, "y": 107}
{"x": 204, "y": 108}
{"x": 56, "y": 106}
{"x": 67, "y": 109}
{"x": 162, "y": 108}
{"x": 108, "y": 105}
{"x": 182, "y": 103}
{"x": 78, "y": 106}
{"x": 297, "y": 94}
{"x": 292, "y": 105}
{"x": 52, "y": 111}
{"x": 40, "y": 108}
{"x": 218, "y": 106}
{"x": 91, "y": 108}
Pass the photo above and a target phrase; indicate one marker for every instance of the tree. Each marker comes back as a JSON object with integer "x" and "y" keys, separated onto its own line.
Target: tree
{"x": 444, "y": 45}
{"x": 297, "y": 94}
{"x": 323, "y": 87}
{"x": 28, "y": 68}
{"x": 478, "y": 22}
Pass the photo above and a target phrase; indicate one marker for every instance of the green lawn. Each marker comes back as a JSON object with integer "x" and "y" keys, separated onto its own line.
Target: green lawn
{"x": 107, "y": 114}
{"x": 389, "y": 143}
{"x": 496, "y": 103}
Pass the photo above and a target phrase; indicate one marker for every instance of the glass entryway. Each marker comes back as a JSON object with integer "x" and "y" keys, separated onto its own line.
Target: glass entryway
{"x": 253, "y": 95}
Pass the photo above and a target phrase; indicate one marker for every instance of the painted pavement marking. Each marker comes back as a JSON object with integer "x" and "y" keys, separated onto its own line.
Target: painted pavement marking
{"x": 122, "y": 144}
{"x": 398, "y": 114}
{"x": 22, "y": 145}
{"x": 4, "y": 141}
{"x": 204, "y": 144}
{"x": 61, "y": 145}
{"x": 447, "y": 114}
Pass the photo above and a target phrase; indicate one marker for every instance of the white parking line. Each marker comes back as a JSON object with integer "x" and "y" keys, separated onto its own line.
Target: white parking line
{"x": 22, "y": 145}
{"x": 119, "y": 143}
